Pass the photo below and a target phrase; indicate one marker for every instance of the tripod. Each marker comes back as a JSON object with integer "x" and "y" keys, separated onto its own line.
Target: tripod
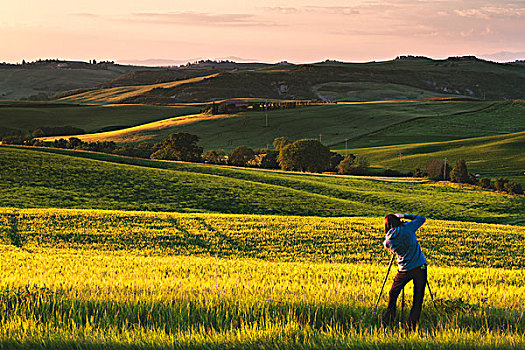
{"x": 403, "y": 296}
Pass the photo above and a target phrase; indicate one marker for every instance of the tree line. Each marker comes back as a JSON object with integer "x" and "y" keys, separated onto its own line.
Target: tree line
{"x": 305, "y": 155}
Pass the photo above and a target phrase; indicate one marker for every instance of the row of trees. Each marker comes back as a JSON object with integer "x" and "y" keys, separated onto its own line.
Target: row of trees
{"x": 306, "y": 155}
{"x": 301, "y": 155}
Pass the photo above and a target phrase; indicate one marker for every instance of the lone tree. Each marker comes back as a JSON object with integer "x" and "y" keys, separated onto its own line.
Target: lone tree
{"x": 179, "y": 146}
{"x": 305, "y": 155}
{"x": 460, "y": 173}
{"x": 241, "y": 156}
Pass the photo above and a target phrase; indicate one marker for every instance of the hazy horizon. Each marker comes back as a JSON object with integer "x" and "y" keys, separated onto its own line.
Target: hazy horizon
{"x": 265, "y": 31}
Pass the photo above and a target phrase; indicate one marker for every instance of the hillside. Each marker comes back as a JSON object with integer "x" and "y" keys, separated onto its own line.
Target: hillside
{"x": 24, "y": 117}
{"x": 363, "y": 124}
{"x": 45, "y": 79}
{"x": 65, "y": 179}
{"x": 126, "y": 93}
{"x": 489, "y": 156}
{"x": 397, "y": 79}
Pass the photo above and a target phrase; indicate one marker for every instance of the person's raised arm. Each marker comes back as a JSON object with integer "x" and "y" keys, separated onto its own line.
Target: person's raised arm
{"x": 415, "y": 220}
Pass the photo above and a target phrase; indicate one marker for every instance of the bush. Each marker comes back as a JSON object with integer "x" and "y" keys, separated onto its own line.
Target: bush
{"x": 215, "y": 157}
{"x": 335, "y": 159}
{"x": 485, "y": 182}
{"x": 513, "y": 188}
{"x": 499, "y": 184}
{"x": 269, "y": 161}
{"x": 352, "y": 165}
{"x": 418, "y": 172}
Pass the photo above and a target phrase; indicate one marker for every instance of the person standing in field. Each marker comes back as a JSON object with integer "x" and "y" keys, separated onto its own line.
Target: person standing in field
{"x": 401, "y": 240}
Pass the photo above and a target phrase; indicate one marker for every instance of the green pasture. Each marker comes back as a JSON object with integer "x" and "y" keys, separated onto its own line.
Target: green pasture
{"x": 363, "y": 124}
{"x": 27, "y": 116}
{"x": 46, "y": 178}
{"x": 492, "y": 156}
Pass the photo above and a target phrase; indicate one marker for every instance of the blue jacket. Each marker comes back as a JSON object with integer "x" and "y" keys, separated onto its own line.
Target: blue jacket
{"x": 402, "y": 242}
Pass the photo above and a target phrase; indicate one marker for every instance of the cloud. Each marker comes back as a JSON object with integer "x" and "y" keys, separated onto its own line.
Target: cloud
{"x": 86, "y": 15}
{"x": 283, "y": 10}
{"x": 335, "y": 10}
{"x": 200, "y": 19}
{"x": 489, "y": 12}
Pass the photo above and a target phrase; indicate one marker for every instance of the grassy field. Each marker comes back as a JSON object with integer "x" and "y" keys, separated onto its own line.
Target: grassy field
{"x": 38, "y": 178}
{"x": 367, "y": 91}
{"x": 363, "y": 124}
{"x": 27, "y": 116}
{"x": 489, "y": 156}
{"x": 121, "y": 280}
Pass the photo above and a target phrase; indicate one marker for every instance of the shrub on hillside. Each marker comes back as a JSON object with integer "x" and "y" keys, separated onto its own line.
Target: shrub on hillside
{"x": 305, "y": 155}
{"x": 335, "y": 159}
{"x": 513, "y": 188}
{"x": 352, "y": 165}
{"x": 269, "y": 161}
{"x": 215, "y": 157}
{"x": 499, "y": 184}
{"x": 241, "y": 156}
{"x": 485, "y": 183}
{"x": 418, "y": 172}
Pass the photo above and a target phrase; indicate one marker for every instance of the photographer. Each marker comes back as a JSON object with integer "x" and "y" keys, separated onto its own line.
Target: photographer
{"x": 401, "y": 240}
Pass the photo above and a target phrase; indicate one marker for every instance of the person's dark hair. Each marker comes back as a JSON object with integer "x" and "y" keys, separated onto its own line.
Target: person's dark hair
{"x": 392, "y": 221}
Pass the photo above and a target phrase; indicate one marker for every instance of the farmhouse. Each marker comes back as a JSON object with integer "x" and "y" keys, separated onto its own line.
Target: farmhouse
{"x": 232, "y": 106}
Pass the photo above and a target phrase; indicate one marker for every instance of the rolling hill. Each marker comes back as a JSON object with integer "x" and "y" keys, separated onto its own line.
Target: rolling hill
{"x": 402, "y": 78}
{"x": 126, "y": 93}
{"x": 67, "y": 179}
{"x": 489, "y": 156}
{"x": 24, "y": 117}
{"x": 363, "y": 124}
{"x": 44, "y": 79}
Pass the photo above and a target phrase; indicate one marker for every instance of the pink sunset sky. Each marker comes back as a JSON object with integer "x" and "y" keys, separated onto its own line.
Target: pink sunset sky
{"x": 270, "y": 31}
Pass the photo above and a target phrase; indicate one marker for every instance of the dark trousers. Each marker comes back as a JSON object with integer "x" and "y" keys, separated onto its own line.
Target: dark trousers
{"x": 419, "y": 276}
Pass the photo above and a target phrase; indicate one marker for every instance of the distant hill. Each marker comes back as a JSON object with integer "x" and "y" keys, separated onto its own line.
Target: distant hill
{"x": 406, "y": 77}
{"x": 42, "y": 80}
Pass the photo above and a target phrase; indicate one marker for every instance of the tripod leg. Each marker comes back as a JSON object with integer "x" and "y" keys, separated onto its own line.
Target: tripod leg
{"x": 431, "y": 295}
{"x": 402, "y": 304}
{"x": 384, "y": 282}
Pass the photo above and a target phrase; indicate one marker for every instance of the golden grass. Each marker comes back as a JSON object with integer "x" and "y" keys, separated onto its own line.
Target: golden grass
{"x": 118, "y": 94}
{"x": 142, "y": 132}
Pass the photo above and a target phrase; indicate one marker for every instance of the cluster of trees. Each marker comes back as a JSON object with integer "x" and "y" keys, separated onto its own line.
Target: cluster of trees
{"x": 460, "y": 174}
{"x": 302, "y": 155}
